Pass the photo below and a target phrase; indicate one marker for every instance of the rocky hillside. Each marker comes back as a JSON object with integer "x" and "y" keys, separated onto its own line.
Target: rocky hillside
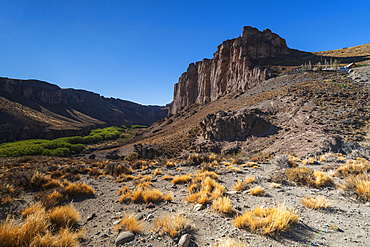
{"x": 37, "y": 109}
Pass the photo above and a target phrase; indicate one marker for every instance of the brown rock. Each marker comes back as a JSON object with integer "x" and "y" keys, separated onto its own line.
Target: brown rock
{"x": 230, "y": 70}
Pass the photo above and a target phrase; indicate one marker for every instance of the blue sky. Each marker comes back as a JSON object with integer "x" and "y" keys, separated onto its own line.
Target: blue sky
{"x": 136, "y": 50}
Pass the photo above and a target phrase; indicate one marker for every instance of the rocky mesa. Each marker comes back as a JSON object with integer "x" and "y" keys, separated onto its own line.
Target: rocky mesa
{"x": 235, "y": 67}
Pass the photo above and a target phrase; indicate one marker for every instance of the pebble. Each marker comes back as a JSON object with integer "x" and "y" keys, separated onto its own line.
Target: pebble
{"x": 124, "y": 237}
{"x": 198, "y": 207}
{"x": 184, "y": 240}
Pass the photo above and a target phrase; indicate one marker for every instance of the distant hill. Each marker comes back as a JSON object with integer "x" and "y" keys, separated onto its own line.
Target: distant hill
{"x": 37, "y": 109}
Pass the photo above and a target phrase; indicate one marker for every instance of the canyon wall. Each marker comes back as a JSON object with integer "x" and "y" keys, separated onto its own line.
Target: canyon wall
{"x": 234, "y": 67}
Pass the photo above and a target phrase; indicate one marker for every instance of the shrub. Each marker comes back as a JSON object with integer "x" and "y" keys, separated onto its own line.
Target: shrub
{"x": 171, "y": 225}
{"x": 269, "y": 221}
{"x": 132, "y": 156}
{"x": 181, "y": 179}
{"x": 301, "y": 175}
{"x": 239, "y": 186}
{"x": 258, "y": 190}
{"x": 79, "y": 189}
{"x": 64, "y": 216}
{"x": 315, "y": 203}
{"x": 130, "y": 223}
{"x": 222, "y": 205}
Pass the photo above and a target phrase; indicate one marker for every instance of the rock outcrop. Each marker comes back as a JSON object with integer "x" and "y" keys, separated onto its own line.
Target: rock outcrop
{"x": 234, "y": 126}
{"x": 236, "y": 66}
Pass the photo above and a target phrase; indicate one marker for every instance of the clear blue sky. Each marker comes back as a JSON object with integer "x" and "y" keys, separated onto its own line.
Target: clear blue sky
{"x": 136, "y": 50}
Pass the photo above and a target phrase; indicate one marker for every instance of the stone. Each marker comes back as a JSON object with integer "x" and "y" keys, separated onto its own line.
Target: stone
{"x": 124, "y": 237}
{"x": 92, "y": 156}
{"x": 184, "y": 240}
{"x": 198, "y": 207}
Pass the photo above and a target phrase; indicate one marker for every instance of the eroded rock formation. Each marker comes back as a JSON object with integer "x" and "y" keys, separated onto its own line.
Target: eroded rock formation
{"x": 234, "y": 126}
{"x": 234, "y": 67}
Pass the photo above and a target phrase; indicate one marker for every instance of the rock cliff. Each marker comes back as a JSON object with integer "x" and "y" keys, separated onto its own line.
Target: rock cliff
{"x": 37, "y": 109}
{"x": 235, "y": 66}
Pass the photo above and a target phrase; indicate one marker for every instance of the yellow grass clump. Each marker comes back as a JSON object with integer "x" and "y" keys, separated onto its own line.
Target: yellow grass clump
{"x": 249, "y": 180}
{"x": 142, "y": 194}
{"x": 181, "y": 179}
{"x": 258, "y": 190}
{"x": 353, "y": 167}
{"x": 269, "y": 221}
{"x": 222, "y": 205}
{"x": 79, "y": 189}
{"x": 362, "y": 188}
{"x": 33, "y": 208}
{"x": 64, "y": 216}
{"x": 322, "y": 179}
{"x": 7, "y": 199}
{"x": 167, "y": 177}
{"x": 229, "y": 243}
{"x": 168, "y": 197}
{"x": 53, "y": 199}
{"x": 130, "y": 223}
{"x": 36, "y": 231}
{"x": 316, "y": 203}
{"x": 171, "y": 225}
{"x": 239, "y": 186}
{"x": 157, "y": 172}
{"x": 38, "y": 179}
{"x": 208, "y": 174}
{"x": 52, "y": 183}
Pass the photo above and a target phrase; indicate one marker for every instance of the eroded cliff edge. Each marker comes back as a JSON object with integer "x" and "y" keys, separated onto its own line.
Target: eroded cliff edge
{"x": 235, "y": 67}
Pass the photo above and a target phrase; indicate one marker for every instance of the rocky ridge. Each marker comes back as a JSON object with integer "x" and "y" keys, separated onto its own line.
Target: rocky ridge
{"x": 37, "y": 109}
{"x": 235, "y": 67}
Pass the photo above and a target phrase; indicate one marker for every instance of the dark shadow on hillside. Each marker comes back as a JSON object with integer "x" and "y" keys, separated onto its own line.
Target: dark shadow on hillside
{"x": 298, "y": 58}
{"x": 300, "y": 233}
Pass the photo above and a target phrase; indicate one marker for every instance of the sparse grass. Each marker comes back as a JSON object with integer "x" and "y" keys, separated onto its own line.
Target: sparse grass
{"x": 171, "y": 225}
{"x": 316, "y": 203}
{"x": 7, "y": 199}
{"x": 157, "y": 172}
{"x": 360, "y": 185}
{"x": 222, "y": 205}
{"x": 322, "y": 179}
{"x": 38, "y": 179}
{"x": 168, "y": 197}
{"x": 37, "y": 230}
{"x": 130, "y": 223}
{"x": 257, "y": 191}
{"x": 229, "y": 242}
{"x": 181, "y": 179}
{"x": 52, "y": 183}
{"x": 301, "y": 175}
{"x": 53, "y": 199}
{"x": 79, "y": 189}
{"x": 208, "y": 174}
{"x": 142, "y": 194}
{"x": 168, "y": 177}
{"x": 249, "y": 180}
{"x": 64, "y": 216}
{"x": 239, "y": 186}
{"x": 269, "y": 221}
{"x": 353, "y": 167}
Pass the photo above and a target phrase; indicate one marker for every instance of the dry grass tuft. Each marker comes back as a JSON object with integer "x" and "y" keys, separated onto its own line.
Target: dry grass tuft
{"x": 322, "y": 179}
{"x": 7, "y": 199}
{"x": 222, "y": 205}
{"x": 141, "y": 194}
{"x": 64, "y": 216}
{"x": 181, "y": 179}
{"x": 52, "y": 183}
{"x": 269, "y": 221}
{"x": 38, "y": 179}
{"x": 229, "y": 243}
{"x": 301, "y": 175}
{"x": 167, "y": 177}
{"x": 157, "y": 172}
{"x": 208, "y": 174}
{"x": 360, "y": 186}
{"x": 79, "y": 189}
{"x": 258, "y": 190}
{"x": 33, "y": 208}
{"x": 316, "y": 203}
{"x": 239, "y": 186}
{"x": 275, "y": 185}
{"x": 171, "y": 225}
{"x": 168, "y": 197}
{"x": 249, "y": 180}
{"x": 353, "y": 167}
{"x": 130, "y": 223}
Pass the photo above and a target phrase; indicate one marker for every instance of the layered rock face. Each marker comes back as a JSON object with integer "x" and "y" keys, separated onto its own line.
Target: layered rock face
{"x": 233, "y": 68}
{"x": 37, "y": 109}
